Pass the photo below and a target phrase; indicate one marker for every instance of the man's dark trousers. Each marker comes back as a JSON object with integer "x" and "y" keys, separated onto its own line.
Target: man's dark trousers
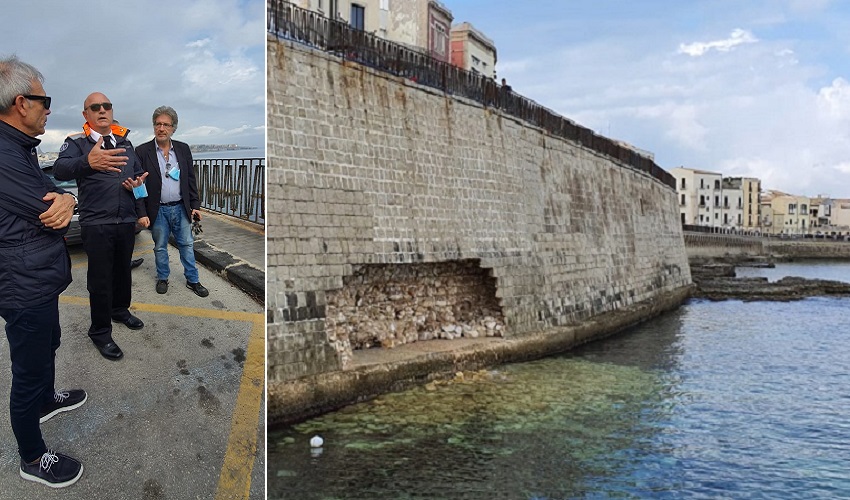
{"x": 33, "y": 335}
{"x": 109, "y": 248}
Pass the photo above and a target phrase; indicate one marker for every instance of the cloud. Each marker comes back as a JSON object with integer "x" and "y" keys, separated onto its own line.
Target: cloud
{"x": 220, "y": 80}
{"x": 834, "y": 101}
{"x": 205, "y": 58}
{"x": 737, "y": 37}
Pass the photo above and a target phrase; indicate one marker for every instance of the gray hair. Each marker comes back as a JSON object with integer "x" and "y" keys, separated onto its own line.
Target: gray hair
{"x": 166, "y": 110}
{"x": 16, "y": 79}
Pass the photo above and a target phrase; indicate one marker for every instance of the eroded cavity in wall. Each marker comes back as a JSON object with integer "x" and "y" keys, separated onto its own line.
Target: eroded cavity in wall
{"x": 387, "y": 305}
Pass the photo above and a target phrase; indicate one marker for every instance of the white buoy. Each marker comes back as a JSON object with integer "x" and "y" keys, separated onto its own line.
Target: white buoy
{"x": 316, "y": 442}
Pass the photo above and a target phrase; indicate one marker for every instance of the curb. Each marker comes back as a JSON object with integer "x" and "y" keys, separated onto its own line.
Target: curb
{"x": 242, "y": 275}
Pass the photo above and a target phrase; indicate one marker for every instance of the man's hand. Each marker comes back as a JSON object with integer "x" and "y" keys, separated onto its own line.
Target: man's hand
{"x": 131, "y": 183}
{"x": 60, "y": 211}
{"x": 196, "y": 214}
{"x": 144, "y": 222}
{"x": 106, "y": 160}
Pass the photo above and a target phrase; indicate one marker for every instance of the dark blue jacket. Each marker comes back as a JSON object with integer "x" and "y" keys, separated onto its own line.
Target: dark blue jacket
{"x": 34, "y": 262}
{"x": 102, "y": 198}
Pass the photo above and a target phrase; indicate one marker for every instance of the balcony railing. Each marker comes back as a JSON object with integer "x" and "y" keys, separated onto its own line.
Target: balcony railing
{"x": 233, "y": 186}
{"x": 287, "y": 21}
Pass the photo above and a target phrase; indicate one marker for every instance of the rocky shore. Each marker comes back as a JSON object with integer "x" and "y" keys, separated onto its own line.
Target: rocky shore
{"x": 715, "y": 279}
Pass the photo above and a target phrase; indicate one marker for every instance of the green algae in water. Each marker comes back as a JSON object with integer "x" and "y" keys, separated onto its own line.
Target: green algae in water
{"x": 570, "y": 411}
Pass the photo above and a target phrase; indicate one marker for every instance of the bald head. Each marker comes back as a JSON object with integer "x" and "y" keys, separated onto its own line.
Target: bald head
{"x": 97, "y": 116}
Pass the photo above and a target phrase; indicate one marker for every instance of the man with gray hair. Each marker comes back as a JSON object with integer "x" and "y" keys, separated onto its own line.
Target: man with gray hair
{"x": 172, "y": 202}
{"x": 34, "y": 269}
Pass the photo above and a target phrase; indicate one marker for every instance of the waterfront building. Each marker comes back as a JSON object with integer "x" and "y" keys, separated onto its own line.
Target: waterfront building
{"x": 789, "y": 214}
{"x": 708, "y": 199}
{"x": 472, "y": 50}
{"x": 424, "y": 25}
{"x": 833, "y": 216}
{"x": 740, "y": 208}
{"x": 698, "y": 193}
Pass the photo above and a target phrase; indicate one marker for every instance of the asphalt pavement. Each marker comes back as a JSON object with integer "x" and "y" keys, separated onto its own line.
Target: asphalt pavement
{"x": 182, "y": 415}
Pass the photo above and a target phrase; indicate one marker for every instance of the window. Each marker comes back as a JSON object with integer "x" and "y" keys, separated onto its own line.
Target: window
{"x": 740, "y": 218}
{"x": 683, "y": 199}
{"x": 726, "y": 201}
{"x": 440, "y": 38}
{"x": 358, "y": 17}
{"x": 792, "y": 208}
{"x": 716, "y": 184}
{"x": 803, "y": 208}
{"x": 716, "y": 201}
{"x": 475, "y": 61}
{"x": 683, "y": 183}
{"x": 725, "y": 219}
{"x": 702, "y": 183}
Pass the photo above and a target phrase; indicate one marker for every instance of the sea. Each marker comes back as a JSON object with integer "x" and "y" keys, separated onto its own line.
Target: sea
{"x": 714, "y": 400}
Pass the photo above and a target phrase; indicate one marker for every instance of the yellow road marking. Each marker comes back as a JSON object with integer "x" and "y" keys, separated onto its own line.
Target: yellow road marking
{"x": 235, "y": 479}
{"x": 234, "y": 482}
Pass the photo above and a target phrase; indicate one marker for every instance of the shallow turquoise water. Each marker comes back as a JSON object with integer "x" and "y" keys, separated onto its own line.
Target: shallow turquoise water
{"x": 714, "y": 400}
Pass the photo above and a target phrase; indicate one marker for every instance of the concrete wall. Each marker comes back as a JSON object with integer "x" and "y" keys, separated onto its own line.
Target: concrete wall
{"x": 707, "y": 246}
{"x": 701, "y": 245}
{"x": 370, "y": 169}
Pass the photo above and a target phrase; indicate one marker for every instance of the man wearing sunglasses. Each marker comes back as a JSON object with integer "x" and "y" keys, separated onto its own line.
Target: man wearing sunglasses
{"x": 106, "y": 168}
{"x": 34, "y": 269}
{"x": 172, "y": 202}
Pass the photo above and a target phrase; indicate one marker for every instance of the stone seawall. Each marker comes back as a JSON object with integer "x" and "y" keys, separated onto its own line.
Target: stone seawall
{"x": 371, "y": 176}
{"x": 708, "y": 246}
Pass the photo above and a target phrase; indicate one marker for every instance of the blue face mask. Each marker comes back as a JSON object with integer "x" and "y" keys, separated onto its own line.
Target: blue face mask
{"x": 172, "y": 172}
{"x": 140, "y": 192}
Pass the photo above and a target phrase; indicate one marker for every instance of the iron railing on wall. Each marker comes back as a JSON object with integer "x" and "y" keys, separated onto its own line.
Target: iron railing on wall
{"x": 290, "y": 22}
{"x": 234, "y": 187}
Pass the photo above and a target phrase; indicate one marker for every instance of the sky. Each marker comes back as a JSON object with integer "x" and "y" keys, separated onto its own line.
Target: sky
{"x": 756, "y": 88}
{"x": 204, "y": 58}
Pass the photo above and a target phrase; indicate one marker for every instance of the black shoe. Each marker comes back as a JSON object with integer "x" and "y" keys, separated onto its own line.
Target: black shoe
{"x": 110, "y": 351}
{"x": 161, "y": 286}
{"x": 136, "y": 263}
{"x": 133, "y": 323}
{"x": 199, "y": 289}
{"x": 63, "y": 401}
{"x": 53, "y": 469}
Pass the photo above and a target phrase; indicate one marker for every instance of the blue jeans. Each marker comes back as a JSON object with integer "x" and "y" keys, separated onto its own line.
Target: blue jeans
{"x": 33, "y": 335}
{"x": 173, "y": 220}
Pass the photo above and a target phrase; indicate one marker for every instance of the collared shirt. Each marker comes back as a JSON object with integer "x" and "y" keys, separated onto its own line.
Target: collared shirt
{"x": 170, "y": 187}
{"x": 95, "y": 135}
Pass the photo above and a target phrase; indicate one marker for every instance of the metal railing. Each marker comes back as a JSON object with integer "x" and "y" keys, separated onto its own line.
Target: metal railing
{"x": 233, "y": 186}
{"x": 290, "y": 22}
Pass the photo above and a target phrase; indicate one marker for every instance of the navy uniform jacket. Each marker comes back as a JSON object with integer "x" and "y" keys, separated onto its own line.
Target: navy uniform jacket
{"x": 34, "y": 262}
{"x": 149, "y": 207}
{"x": 102, "y": 198}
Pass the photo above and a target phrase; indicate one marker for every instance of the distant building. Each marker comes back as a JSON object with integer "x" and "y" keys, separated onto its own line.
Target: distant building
{"x": 424, "y": 25}
{"x": 784, "y": 213}
{"x": 472, "y": 50}
{"x": 708, "y": 199}
{"x": 698, "y": 193}
{"x": 741, "y": 209}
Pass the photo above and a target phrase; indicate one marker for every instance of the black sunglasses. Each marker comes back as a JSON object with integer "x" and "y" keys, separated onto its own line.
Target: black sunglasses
{"x": 96, "y": 106}
{"x": 43, "y": 98}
